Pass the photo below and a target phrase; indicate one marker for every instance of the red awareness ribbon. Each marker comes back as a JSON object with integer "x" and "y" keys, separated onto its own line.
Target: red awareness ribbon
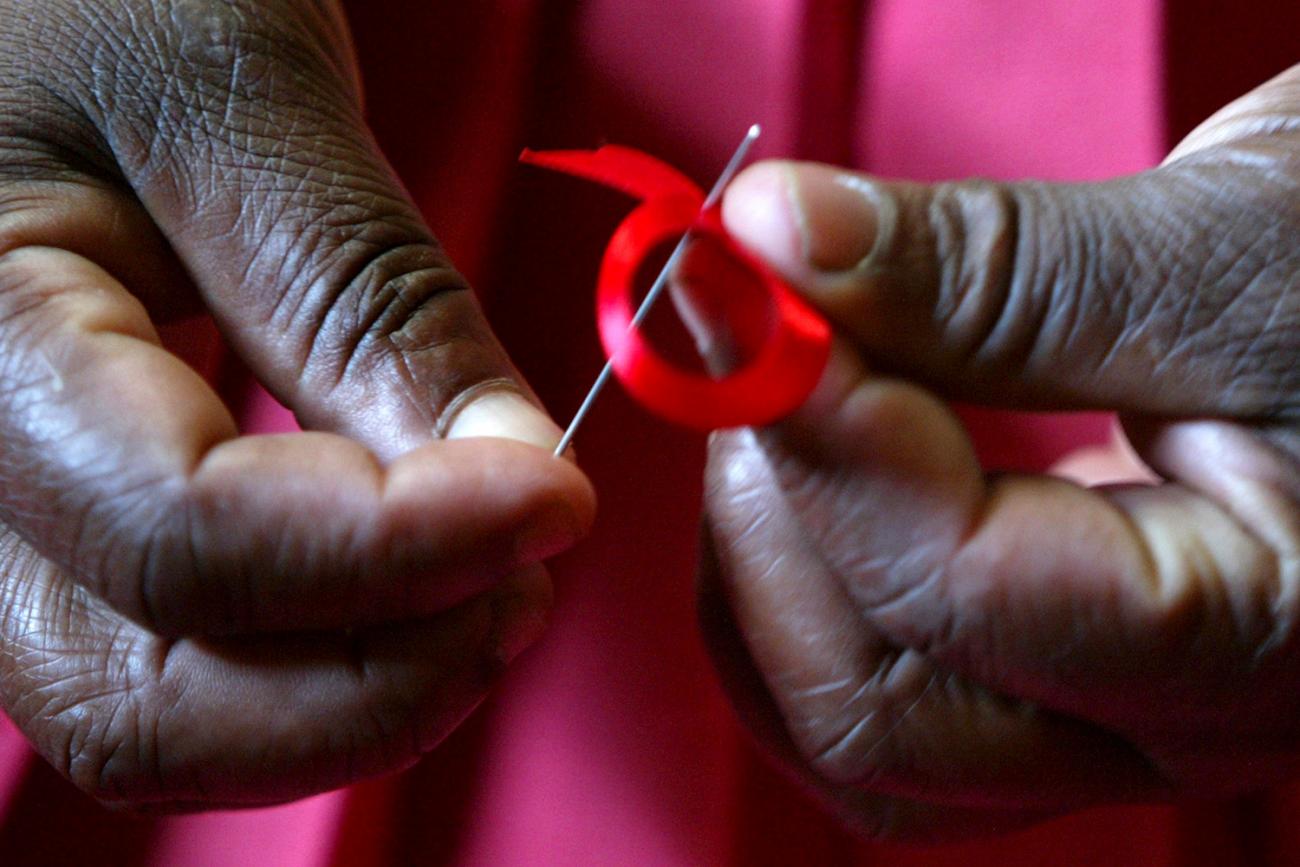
{"x": 793, "y": 341}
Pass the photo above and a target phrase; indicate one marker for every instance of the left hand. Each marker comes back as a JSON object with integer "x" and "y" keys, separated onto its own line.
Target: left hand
{"x": 943, "y": 654}
{"x": 192, "y": 619}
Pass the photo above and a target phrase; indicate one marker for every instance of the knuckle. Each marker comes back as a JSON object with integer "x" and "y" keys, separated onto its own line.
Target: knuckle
{"x": 114, "y": 534}
{"x": 186, "y": 581}
{"x": 359, "y": 286}
{"x": 212, "y": 561}
{"x": 865, "y": 736}
{"x": 385, "y": 304}
{"x": 1231, "y": 605}
{"x": 1032, "y": 275}
{"x": 975, "y": 230}
{"x": 109, "y": 549}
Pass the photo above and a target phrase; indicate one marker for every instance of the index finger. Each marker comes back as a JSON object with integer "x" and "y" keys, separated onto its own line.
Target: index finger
{"x": 122, "y": 465}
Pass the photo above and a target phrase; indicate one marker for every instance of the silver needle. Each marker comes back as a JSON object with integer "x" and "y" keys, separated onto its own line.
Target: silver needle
{"x": 660, "y": 284}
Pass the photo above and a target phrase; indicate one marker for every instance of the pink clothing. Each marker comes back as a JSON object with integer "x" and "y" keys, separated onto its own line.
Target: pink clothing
{"x": 611, "y": 742}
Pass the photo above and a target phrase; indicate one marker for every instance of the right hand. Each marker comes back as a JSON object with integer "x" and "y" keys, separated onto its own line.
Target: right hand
{"x": 190, "y": 618}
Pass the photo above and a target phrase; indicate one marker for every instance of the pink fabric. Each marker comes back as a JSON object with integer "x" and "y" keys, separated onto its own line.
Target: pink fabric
{"x": 1013, "y": 89}
{"x": 611, "y": 742}
{"x": 296, "y": 835}
{"x": 15, "y": 757}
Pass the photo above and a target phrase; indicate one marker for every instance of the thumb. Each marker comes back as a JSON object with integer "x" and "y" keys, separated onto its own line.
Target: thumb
{"x": 250, "y": 150}
{"x": 1172, "y": 292}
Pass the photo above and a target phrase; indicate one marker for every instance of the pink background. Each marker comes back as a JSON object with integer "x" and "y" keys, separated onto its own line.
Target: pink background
{"x": 611, "y": 742}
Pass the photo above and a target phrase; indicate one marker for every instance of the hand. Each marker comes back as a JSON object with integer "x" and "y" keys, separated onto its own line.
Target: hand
{"x": 944, "y": 654}
{"x": 190, "y": 618}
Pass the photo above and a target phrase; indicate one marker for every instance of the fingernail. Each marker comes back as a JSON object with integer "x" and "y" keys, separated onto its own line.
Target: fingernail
{"x": 507, "y": 415}
{"x": 838, "y": 223}
{"x": 801, "y": 216}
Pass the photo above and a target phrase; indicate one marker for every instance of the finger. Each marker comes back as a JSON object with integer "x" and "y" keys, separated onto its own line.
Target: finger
{"x": 1174, "y": 292}
{"x": 1147, "y": 610}
{"x": 142, "y": 722}
{"x": 90, "y": 217}
{"x": 122, "y": 465}
{"x": 877, "y": 814}
{"x": 243, "y": 136}
{"x": 865, "y": 712}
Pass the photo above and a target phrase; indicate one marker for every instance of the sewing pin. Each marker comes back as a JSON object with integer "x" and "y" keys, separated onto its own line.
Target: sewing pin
{"x": 660, "y": 284}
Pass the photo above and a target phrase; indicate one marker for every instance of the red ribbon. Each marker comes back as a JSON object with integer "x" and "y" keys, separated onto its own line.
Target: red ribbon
{"x": 782, "y": 369}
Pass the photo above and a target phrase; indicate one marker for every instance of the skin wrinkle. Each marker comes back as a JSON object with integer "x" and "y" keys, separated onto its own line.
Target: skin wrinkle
{"x": 819, "y": 756}
{"x": 1194, "y": 320}
{"x": 1242, "y": 296}
{"x": 1228, "y": 256}
{"x": 320, "y": 746}
{"x": 128, "y": 757}
{"x": 398, "y": 239}
{"x": 222, "y": 89}
{"x": 1282, "y": 610}
{"x": 103, "y": 758}
{"x": 980, "y": 290}
{"x": 1028, "y": 213}
{"x": 1270, "y": 545}
{"x": 77, "y": 156}
{"x": 823, "y": 689}
{"x": 384, "y": 307}
{"x": 830, "y": 760}
{"x": 1276, "y": 580}
{"x": 1057, "y": 315}
{"x": 981, "y": 343}
{"x": 878, "y": 744}
{"x": 950, "y": 259}
{"x": 418, "y": 390}
{"x": 812, "y": 487}
{"x": 216, "y": 100}
{"x": 1140, "y": 612}
{"x": 1071, "y": 315}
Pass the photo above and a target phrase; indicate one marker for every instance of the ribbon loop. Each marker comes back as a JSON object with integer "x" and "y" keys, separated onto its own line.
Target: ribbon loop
{"x": 781, "y": 372}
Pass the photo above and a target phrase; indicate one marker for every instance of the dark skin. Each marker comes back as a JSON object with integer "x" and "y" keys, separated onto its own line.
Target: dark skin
{"x": 194, "y": 619}
{"x": 942, "y": 654}
{"x": 190, "y": 618}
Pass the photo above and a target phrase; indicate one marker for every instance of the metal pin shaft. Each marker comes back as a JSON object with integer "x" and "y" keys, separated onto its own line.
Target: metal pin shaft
{"x": 660, "y": 284}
